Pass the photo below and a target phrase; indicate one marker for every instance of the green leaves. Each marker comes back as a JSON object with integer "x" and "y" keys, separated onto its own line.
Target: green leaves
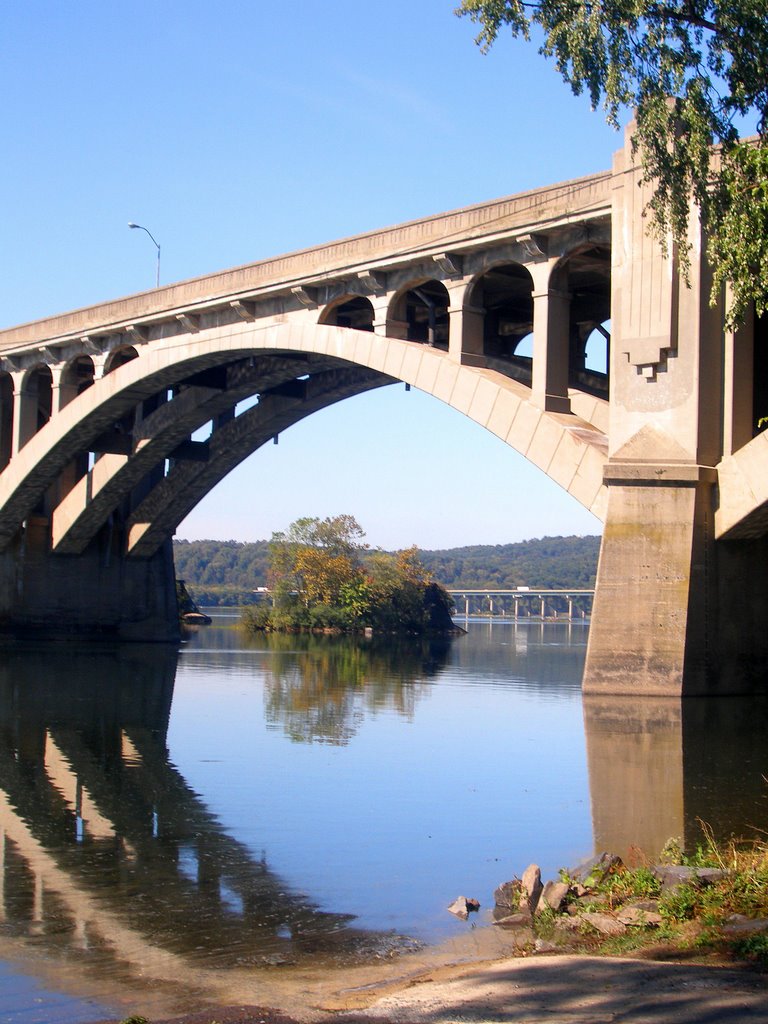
{"x": 689, "y": 69}
{"x": 738, "y": 246}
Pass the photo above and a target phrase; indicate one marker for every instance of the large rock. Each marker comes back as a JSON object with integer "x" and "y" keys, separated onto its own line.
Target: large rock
{"x": 738, "y": 924}
{"x": 520, "y": 919}
{"x": 509, "y": 894}
{"x": 672, "y": 876}
{"x": 638, "y": 917}
{"x": 532, "y": 886}
{"x": 593, "y": 872}
{"x": 553, "y": 896}
{"x": 521, "y": 893}
{"x": 567, "y": 924}
{"x": 463, "y": 907}
{"x": 604, "y": 923}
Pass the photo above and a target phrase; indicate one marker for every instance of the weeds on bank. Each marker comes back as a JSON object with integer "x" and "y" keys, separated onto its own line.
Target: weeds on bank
{"x": 693, "y": 913}
{"x": 635, "y": 884}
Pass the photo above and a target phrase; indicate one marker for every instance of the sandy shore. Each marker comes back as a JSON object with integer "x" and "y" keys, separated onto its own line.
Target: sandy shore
{"x": 484, "y": 984}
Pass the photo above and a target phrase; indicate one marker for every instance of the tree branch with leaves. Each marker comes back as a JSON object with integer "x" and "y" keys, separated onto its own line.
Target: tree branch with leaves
{"x": 691, "y": 71}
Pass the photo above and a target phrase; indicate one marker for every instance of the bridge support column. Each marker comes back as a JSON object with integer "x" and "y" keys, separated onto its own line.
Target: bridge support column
{"x": 675, "y": 613}
{"x": 465, "y": 343}
{"x": 655, "y": 600}
{"x": 21, "y": 429}
{"x": 551, "y": 309}
{"x": 99, "y": 594}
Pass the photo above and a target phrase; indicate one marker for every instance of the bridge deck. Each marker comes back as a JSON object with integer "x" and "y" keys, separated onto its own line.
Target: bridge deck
{"x": 459, "y": 230}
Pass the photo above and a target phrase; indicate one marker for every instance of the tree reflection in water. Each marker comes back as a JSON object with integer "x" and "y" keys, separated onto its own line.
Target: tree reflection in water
{"x": 319, "y": 689}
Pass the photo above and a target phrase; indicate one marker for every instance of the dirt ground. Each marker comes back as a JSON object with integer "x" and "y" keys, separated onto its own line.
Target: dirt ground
{"x": 556, "y": 989}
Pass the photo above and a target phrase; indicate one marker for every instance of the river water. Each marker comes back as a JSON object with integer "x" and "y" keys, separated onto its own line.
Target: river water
{"x": 172, "y": 820}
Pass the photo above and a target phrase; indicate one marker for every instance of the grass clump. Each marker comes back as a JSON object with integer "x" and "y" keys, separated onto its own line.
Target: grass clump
{"x": 753, "y": 947}
{"x": 721, "y": 912}
{"x": 629, "y": 884}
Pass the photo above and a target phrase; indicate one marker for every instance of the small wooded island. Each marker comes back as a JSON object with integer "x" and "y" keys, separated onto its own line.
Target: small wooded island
{"x": 323, "y": 578}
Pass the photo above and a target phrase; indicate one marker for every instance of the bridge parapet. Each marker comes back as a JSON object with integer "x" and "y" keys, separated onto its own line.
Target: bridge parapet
{"x": 548, "y": 210}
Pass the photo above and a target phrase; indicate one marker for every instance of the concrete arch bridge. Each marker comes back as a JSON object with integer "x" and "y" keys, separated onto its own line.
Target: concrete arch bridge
{"x": 549, "y": 318}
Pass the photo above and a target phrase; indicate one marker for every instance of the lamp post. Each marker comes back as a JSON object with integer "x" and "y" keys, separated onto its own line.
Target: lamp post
{"x": 157, "y": 244}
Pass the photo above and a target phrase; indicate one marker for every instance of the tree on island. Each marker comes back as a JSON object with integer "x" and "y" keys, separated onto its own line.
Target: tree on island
{"x": 690, "y": 69}
{"x": 322, "y": 576}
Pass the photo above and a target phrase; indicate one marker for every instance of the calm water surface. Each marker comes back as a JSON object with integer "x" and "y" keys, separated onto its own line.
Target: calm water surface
{"x": 168, "y": 819}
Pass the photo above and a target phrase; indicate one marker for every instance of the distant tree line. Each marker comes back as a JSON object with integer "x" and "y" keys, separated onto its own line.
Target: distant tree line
{"x": 556, "y": 563}
{"x": 228, "y": 572}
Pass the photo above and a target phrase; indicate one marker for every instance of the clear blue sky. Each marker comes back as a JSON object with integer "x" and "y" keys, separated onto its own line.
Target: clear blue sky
{"x": 237, "y": 131}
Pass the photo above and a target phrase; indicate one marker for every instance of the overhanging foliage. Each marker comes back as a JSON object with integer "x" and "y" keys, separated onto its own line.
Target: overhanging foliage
{"x": 691, "y": 70}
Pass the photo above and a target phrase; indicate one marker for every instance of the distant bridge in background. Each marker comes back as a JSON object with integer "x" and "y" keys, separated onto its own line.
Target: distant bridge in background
{"x": 524, "y": 603}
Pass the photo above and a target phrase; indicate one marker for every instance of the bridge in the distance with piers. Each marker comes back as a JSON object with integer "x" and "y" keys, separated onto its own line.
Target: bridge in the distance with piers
{"x": 116, "y": 420}
{"x": 523, "y": 603}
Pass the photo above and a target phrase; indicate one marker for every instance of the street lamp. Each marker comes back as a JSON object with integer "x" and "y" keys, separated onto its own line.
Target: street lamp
{"x": 142, "y": 228}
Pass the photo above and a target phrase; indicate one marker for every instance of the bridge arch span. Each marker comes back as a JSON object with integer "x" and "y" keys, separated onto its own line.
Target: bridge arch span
{"x": 171, "y": 389}
{"x": 671, "y": 610}
{"x": 187, "y": 483}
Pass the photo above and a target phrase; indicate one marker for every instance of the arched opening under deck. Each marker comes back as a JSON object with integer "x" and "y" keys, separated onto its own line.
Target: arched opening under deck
{"x": 355, "y": 312}
{"x": 422, "y": 310}
{"x": 504, "y": 294}
{"x": 585, "y": 276}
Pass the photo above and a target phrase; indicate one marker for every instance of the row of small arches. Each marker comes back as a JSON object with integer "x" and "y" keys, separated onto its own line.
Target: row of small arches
{"x": 504, "y": 295}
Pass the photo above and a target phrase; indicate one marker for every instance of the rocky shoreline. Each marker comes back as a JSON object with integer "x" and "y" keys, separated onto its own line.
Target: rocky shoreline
{"x": 579, "y": 901}
{"x": 536, "y": 961}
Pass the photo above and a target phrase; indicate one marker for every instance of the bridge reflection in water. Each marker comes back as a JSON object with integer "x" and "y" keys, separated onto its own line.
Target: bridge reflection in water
{"x": 110, "y": 861}
{"x": 659, "y": 769}
{"x": 107, "y": 858}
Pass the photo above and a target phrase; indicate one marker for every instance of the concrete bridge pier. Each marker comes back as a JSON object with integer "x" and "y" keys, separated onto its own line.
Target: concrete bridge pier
{"x": 656, "y": 596}
{"x": 100, "y": 593}
{"x": 679, "y": 610}
{"x": 676, "y": 613}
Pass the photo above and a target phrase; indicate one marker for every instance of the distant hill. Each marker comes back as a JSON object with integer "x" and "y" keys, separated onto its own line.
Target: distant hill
{"x": 551, "y": 562}
{"x": 227, "y": 572}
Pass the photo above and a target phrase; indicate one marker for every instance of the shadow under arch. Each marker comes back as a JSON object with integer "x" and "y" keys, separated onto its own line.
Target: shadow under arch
{"x": 6, "y": 418}
{"x": 419, "y": 312}
{"x": 503, "y": 292}
{"x": 36, "y": 401}
{"x": 353, "y": 311}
